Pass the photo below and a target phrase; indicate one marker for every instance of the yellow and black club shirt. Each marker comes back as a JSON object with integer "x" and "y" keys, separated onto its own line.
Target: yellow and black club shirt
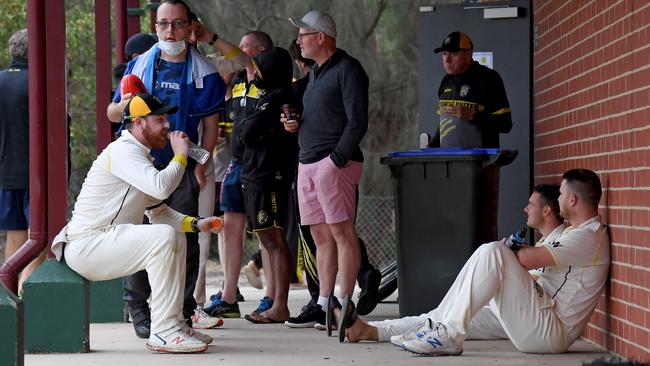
{"x": 481, "y": 90}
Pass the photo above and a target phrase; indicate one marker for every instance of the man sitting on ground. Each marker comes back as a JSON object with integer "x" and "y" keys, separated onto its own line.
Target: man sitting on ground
{"x": 494, "y": 295}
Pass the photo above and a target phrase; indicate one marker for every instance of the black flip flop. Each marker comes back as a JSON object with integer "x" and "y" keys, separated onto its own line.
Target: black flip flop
{"x": 348, "y": 317}
{"x": 332, "y": 303}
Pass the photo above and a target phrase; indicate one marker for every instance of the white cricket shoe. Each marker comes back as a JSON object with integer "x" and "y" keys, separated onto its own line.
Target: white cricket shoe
{"x": 433, "y": 340}
{"x": 194, "y": 333}
{"x": 399, "y": 339}
{"x": 175, "y": 340}
{"x": 201, "y": 320}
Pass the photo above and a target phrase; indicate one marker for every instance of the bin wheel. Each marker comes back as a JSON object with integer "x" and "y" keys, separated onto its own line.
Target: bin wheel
{"x": 388, "y": 283}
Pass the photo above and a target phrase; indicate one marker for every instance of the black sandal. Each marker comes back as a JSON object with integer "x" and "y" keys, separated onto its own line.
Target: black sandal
{"x": 348, "y": 317}
{"x": 332, "y": 303}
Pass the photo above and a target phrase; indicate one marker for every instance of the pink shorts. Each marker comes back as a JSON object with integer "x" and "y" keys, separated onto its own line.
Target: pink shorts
{"x": 326, "y": 194}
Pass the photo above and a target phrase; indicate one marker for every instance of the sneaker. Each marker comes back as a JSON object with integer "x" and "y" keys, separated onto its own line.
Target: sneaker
{"x": 193, "y": 333}
{"x": 238, "y": 296}
{"x": 175, "y": 340}
{"x": 369, "y": 295}
{"x": 433, "y": 340}
{"x": 265, "y": 304}
{"x": 141, "y": 318}
{"x": 311, "y": 316}
{"x": 253, "y": 276}
{"x": 399, "y": 339}
{"x": 221, "y": 309}
{"x": 201, "y": 320}
{"x": 323, "y": 326}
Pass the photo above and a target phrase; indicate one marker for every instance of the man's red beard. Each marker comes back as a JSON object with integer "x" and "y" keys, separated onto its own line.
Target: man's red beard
{"x": 155, "y": 140}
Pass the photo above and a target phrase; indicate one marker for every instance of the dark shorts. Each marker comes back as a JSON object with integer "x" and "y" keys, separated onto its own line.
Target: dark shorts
{"x": 231, "y": 195}
{"x": 14, "y": 209}
{"x": 265, "y": 209}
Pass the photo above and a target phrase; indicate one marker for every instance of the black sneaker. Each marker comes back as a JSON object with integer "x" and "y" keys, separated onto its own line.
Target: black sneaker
{"x": 313, "y": 314}
{"x": 238, "y": 296}
{"x": 369, "y": 295}
{"x": 141, "y": 319}
{"x": 221, "y": 309}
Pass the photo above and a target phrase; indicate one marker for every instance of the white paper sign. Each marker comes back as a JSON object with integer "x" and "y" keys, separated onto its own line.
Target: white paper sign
{"x": 483, "y": 58}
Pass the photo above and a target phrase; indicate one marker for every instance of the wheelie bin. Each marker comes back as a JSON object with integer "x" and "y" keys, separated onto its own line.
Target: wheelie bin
{"x": 446, "y": 204}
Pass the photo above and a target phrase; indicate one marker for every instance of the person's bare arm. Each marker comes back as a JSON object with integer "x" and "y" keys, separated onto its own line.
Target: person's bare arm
{"x": 208, "y": 142}
{"x": 535, "y": 257}
{"x": 227, "y": 49}
{"x": 114, "y": 110}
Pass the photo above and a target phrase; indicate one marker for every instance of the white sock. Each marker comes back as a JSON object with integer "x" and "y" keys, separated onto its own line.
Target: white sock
{"x": 322, "y": 301}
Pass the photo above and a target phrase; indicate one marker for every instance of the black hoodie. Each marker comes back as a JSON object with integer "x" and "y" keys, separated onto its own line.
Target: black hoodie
{"x": 271, "y": 153}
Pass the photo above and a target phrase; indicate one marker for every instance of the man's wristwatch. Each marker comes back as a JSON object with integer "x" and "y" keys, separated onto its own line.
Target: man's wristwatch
{"x": 195, "y": 224}
{"x": 214, "y": 39}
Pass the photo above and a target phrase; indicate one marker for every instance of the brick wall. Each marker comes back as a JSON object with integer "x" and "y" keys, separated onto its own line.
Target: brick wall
{"x": 592, "y": 110}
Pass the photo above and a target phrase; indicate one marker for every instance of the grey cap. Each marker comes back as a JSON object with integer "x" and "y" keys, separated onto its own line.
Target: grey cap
{"x": 316, "y": 20}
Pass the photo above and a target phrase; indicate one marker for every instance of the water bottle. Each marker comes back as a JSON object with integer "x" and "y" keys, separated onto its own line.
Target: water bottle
{"x": 197, "y": 153}
{"x": 424, "y": 140}
{"x": 517, "y": 239}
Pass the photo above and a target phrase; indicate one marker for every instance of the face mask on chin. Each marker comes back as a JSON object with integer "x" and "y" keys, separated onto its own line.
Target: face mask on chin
{"x": 172, "y": 48}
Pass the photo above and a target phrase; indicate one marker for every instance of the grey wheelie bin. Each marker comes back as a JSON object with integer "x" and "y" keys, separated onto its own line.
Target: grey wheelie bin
{"x": 446, "y": 204}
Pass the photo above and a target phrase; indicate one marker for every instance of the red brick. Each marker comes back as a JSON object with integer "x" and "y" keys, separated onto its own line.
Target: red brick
{"x": 617, "y": 35}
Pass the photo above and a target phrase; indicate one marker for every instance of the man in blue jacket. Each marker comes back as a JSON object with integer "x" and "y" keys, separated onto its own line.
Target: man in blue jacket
{"x": 178, "y": 75}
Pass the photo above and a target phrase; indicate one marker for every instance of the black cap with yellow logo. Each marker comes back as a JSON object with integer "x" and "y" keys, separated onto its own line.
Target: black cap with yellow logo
{"x": 454, "y": 42}
{"x": 143, "y": 105}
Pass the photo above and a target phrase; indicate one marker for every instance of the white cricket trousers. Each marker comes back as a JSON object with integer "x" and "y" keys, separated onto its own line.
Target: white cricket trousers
{"x": 127, "y": 249}
{"x": 206, "y": 208}
{"x": 493, "y": 297}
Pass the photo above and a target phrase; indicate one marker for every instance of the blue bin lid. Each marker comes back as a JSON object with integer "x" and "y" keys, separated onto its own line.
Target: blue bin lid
{"x": 440, "y": 152}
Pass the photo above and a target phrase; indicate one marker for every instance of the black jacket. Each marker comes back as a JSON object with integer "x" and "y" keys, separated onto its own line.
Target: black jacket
{"x": 244, "y": 99}
{"x": 270, "y": 153}
{"x": 14, "y": 127}
{"x": 335, "y": 115}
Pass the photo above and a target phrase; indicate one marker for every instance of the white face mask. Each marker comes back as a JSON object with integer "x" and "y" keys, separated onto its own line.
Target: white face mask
{"x": 172, "y": 48}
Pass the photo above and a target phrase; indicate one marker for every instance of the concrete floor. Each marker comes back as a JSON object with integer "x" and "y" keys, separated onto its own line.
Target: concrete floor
{"x": 239, "y": 342}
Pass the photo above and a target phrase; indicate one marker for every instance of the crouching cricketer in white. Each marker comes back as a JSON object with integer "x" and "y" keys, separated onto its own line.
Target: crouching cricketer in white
{"x": 105, "y": 239}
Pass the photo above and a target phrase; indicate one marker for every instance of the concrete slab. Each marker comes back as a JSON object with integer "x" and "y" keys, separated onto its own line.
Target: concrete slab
{"x": 239, "y": 342}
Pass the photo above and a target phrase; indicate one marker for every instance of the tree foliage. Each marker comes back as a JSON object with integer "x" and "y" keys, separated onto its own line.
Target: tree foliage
{"x": 80, "y": 60}
{"x": 14, "y": 17}
{"x": 80, "y": 75}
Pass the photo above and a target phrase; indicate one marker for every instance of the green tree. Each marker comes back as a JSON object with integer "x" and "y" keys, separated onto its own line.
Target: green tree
{"x": 80, "y": 60}
{"x": 14, "y": 17}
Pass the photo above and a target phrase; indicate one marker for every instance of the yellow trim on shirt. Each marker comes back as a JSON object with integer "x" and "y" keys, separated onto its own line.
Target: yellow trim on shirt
{"x": 502, "y": 111}
{"x": 186, "y": 224}
{"x": 109, "y": 159}
{"x": 253, "y": 92}
{"x": 603, "y": 231}
{"x": 548, "y": 248}
{"x": 239, "y": 91}
{"x": 181, "y": 160}
{"x": 476, "y": 107}
{"x": 232, "y": 53}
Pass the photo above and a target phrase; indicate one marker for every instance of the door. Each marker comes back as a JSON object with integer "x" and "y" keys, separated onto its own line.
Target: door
{"x": 504, "y": 37}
